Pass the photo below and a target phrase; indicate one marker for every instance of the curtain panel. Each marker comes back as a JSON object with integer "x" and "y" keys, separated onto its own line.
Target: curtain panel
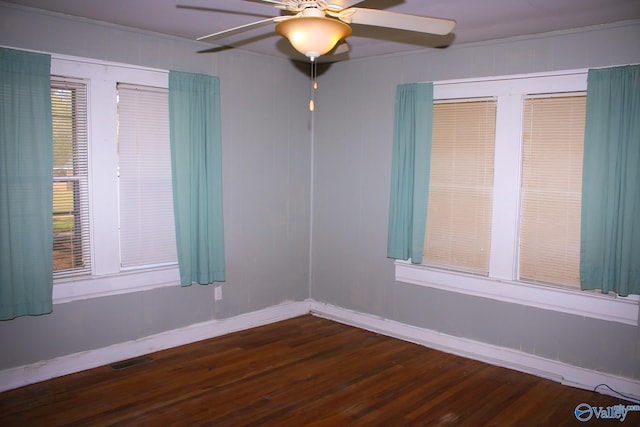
{"x": 610, "y": 230}
{"x": 26, "y": 184}
{"x": 196, "y": 161}
{"x": 410, "y": 171}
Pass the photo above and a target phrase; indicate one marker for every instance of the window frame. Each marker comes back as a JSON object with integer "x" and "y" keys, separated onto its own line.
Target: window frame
{"x": 107, "y": 277}
{"x": 502, "y": 284}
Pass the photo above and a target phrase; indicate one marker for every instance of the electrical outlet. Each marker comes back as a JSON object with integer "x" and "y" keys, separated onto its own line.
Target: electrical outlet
{"x": 217, "y": 293}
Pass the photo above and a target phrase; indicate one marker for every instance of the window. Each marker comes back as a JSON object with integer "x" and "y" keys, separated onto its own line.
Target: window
{"x": 458, "y": 229}
{"x": 103, "y": 243}
{"x": 71, "y": 241}
{"x": 533, "y": 190}
{"x": 147, "y": 230}
{"x": 459, "y": 214}
{"x": 553, "y": 141}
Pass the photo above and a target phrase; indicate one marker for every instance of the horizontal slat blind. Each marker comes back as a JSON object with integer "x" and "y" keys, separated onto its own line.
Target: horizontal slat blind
{"x": 458, "y": 231}
{"x": 147, "y": 235}
{"x": 553, "y": 140}
{"x": 71, "y": 235}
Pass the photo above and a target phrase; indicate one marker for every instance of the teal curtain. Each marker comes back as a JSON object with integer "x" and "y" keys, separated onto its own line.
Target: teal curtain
{"x": 26, "y": 184}
{"x": 196, "y": 151}
{"x": 410, "y": 171}
{"x": 610, "y": 233}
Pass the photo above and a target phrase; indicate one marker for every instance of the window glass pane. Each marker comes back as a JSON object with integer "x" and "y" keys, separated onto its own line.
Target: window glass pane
{"x": 147, "y": 229}
{"x": 71, "y": 242}
{"x": 553, "y": 140}
{"x": 458, "y": 231}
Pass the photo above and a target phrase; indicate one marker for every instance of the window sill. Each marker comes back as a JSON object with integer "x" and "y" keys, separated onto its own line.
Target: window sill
{"x": 86, "y": 287}
{"x": 608, "y": 307}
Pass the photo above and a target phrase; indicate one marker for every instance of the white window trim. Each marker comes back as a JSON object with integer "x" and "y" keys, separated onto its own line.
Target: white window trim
{"x": 502, "y": 283}
{"x": 107, "y": 277}
{"x": 583, "y": 303}
{"x": 75, "y": 289}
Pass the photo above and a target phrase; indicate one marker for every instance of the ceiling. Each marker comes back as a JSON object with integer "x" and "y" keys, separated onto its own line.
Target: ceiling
{"x": 477, "y": 20}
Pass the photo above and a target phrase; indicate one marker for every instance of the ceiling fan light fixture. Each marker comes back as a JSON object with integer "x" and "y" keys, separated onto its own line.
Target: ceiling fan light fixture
{"x": 313, "y": 36}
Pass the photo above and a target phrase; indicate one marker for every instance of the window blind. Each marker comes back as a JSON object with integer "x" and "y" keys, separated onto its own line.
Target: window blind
{"x": 458, "y": 230}
{"x": 553, "y": 140}
{"x": 71, "y": 234}
{"x": 147, "y": 235}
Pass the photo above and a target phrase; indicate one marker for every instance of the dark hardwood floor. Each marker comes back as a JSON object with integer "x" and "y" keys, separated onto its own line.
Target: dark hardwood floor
{"x": 299, "y": 372}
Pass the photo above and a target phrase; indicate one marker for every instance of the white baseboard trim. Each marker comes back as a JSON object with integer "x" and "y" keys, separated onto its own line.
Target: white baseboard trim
{"x": 41, "y": 371}
{"x": 488, "y": 353}
{"x": 499, "y": 356}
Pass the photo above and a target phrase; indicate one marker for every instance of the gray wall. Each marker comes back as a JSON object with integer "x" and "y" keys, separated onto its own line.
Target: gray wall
{"x": 266, "y": 163}
{"x": 352, "y": 162}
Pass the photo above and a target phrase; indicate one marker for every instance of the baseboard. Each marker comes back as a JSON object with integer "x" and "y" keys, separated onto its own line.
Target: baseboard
{"x": 499, "y": 356}
{"x": 41, "y": 371}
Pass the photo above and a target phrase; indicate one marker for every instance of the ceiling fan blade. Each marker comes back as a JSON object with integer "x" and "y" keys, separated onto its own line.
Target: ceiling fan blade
{"x": 402, "y": 21}
{"x": 342, "y": 4}
{"x": 242, "y": 28}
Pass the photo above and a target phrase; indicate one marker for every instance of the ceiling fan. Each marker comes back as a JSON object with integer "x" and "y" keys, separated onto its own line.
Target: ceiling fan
{"x": 316, "y": 27}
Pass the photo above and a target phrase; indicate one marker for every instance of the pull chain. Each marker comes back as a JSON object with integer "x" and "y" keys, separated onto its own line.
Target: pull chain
{"x": 314, "y": 83}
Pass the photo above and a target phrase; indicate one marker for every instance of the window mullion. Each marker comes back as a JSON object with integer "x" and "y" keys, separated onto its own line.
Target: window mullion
{"x": 508, "y": 162}
{"x": 103, "y": 162}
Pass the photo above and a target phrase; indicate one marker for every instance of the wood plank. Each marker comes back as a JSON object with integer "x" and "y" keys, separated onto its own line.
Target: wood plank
{"x": 303, "y": 371}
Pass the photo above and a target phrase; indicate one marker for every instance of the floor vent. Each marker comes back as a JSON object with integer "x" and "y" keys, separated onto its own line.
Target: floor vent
{"x": 131, "y": 363}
